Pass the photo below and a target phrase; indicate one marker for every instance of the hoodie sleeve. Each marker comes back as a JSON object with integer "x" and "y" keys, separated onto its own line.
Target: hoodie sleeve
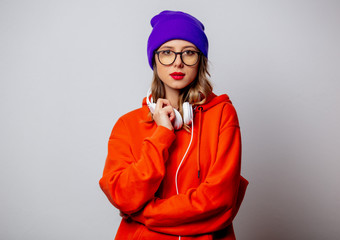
{"x": 214, "y": 203}
{"x": 129, "y": 182}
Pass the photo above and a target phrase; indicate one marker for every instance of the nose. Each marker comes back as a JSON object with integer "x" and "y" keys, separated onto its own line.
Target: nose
{"x": 178, "y": 61}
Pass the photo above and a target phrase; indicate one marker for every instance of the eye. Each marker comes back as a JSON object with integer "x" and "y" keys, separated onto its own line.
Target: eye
{"x": 166, "y": 52}
{"x": 189, "y": 52}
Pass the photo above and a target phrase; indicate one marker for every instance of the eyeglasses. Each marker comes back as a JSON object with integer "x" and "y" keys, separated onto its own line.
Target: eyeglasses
{"x": 168, "y": 57}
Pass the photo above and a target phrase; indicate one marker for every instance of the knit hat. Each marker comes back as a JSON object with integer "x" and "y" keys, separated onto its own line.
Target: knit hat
{"x": 169, "y": 25}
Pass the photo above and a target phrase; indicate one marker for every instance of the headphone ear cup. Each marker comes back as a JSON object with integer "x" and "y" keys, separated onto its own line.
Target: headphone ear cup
{"x": 178, "y": 121}
{"x": 152, "y": 107}
{"x": 187, "y": 113}
{"x": 151, "y": 104}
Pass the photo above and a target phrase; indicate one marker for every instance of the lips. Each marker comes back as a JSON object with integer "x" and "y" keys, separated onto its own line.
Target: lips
{"x": 177, "y": 75}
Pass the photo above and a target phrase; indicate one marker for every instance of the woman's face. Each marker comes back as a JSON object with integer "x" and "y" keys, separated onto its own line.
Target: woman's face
{"x": 177, "y": 75}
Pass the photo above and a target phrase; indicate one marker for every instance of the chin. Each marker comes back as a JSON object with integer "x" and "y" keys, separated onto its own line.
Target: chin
{"x": 179, "y": 86}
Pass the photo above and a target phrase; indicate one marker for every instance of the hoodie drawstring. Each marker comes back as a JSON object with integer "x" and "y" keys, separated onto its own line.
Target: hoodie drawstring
{"x": 200, "y": 109}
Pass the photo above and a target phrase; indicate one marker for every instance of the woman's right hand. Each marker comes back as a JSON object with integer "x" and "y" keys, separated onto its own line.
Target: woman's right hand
{"x": 164, "y": 114}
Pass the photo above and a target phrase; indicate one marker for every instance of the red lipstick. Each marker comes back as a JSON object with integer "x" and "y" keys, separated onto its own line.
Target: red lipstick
{"x": 177, "y": 75}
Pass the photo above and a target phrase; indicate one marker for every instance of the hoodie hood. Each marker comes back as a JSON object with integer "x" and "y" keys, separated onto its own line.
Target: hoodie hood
{"x": 213, "y": 100}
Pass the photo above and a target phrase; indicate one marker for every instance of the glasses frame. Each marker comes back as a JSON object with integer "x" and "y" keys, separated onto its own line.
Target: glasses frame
{"x": 180, "y": 54}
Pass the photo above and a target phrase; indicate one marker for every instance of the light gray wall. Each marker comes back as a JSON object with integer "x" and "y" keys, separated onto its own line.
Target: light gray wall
{"x": 69, "y": 69}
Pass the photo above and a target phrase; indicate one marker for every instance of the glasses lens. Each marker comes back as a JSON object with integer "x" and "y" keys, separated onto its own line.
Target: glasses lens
{"x": 166, "y": 57}
{"x": 190, "y": 57}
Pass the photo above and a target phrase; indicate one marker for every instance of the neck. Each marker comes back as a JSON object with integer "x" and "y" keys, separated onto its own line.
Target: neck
{"x": 172, "y": 95}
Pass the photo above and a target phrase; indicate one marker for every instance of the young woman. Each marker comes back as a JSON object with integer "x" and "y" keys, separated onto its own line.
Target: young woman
{"x": 173, "y": 165}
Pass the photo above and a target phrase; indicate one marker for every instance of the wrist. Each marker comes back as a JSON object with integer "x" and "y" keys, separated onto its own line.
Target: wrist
{"x": 163, "y": 135}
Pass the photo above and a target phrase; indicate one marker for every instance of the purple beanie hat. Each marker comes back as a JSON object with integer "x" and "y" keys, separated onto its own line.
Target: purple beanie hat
{"x": 169, "y": 25}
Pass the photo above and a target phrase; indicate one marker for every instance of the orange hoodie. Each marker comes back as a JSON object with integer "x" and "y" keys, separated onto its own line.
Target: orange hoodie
{"x": 143, "y": 169}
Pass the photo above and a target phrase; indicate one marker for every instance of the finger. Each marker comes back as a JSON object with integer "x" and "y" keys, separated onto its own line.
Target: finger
{"x": 169, "y": 111}
{"x": 161, "y": 103}
{"x": 172, "y": 114}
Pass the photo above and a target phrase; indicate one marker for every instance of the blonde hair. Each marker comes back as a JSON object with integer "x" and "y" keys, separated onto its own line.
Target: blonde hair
{"x": 195, "y": 93}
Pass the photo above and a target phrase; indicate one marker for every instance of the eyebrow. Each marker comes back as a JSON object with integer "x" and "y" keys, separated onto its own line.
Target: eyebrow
{"x": 182, "y": 48}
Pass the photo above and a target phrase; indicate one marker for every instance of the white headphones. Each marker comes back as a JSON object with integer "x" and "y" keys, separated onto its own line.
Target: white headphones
{"x": 178, "y": 122}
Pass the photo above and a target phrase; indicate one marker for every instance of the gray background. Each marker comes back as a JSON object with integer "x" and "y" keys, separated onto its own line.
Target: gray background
{"x": 69, "y": 69}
